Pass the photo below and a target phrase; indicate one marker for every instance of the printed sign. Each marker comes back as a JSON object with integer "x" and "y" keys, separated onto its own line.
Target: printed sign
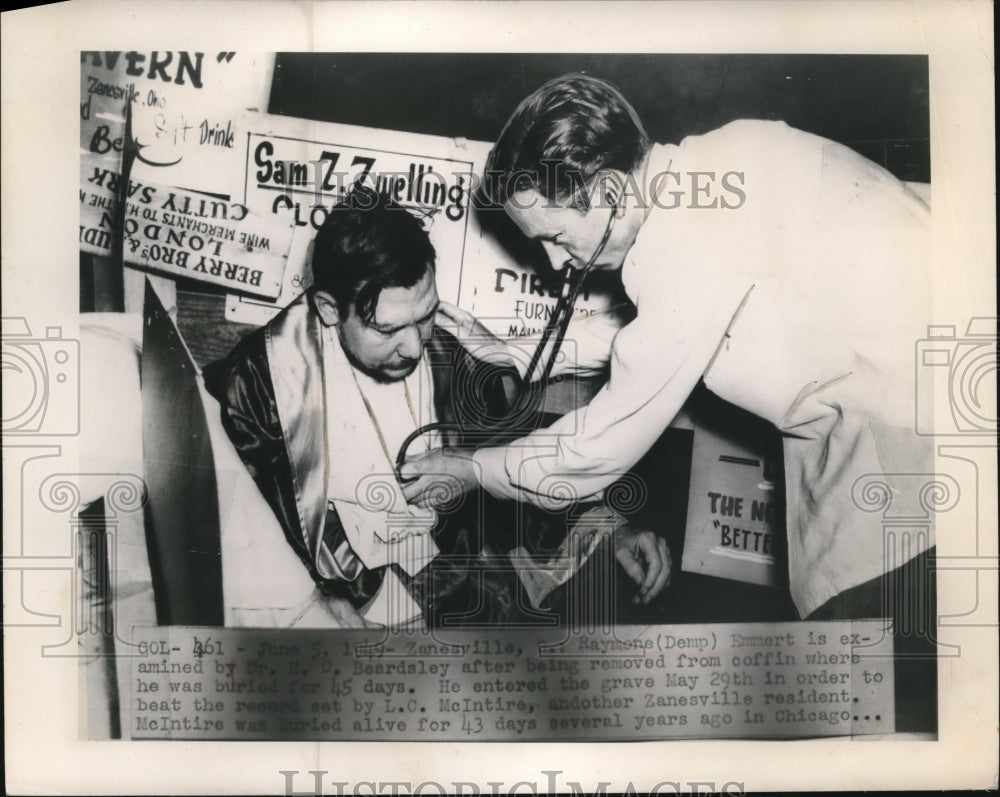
{"x": 735, "y": 511}
{"x": 511, "y": 299}
{"x": 185, "y": 108}
{"x": 183, "y": 234}
{"x": 299, "y": 170}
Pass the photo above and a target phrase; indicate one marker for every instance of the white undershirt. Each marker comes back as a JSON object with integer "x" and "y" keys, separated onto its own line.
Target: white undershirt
{"x": 380, "y": 526}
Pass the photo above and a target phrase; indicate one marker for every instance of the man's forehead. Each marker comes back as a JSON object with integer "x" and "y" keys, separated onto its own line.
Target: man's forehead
{"x": 535, "y": 215}
{"x": 402, "y": 306}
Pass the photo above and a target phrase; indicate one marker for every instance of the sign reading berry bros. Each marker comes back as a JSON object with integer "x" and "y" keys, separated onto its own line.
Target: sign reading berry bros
{"x": 182, "y": 233}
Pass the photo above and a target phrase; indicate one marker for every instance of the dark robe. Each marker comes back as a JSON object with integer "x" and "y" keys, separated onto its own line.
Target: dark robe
{"x": 270, "y": 392}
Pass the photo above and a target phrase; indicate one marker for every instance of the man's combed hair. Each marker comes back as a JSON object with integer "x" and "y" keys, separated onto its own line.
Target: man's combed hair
{"x": 369, "y": 243}
{"x": 560, "y": 137}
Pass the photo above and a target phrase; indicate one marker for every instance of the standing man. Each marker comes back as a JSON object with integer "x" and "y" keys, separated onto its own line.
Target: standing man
{"x": 784, "y": 269}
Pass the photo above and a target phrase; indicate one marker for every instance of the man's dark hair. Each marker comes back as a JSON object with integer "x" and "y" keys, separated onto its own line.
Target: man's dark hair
{"x": 560, "y": 137}
{"x": 366, "y": 244}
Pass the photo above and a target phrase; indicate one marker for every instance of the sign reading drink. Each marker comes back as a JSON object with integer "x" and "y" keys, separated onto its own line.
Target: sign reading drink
{"x": 183, "y": 234}
{"x": 185, "y": 107}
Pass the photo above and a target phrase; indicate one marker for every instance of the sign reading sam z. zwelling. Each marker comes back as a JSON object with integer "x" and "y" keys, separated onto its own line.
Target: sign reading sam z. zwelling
{"x": 182, "y": 233}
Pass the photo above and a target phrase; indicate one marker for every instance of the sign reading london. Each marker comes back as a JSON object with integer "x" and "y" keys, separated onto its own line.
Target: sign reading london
{"x": 184, "y": 234}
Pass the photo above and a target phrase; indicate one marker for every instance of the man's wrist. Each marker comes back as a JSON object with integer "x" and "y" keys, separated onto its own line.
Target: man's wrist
{"x": 490, "y": 469}
{"x": 462, "y": 467}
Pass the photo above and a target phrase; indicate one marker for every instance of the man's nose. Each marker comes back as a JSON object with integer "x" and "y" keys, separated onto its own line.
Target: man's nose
{"x": 411, "y": 346}
{"x": 558, "y": 257}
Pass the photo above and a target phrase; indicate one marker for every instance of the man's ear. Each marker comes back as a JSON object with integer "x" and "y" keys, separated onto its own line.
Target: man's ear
{"x": 326, "y": 307}
{"x": 611, "y": 187}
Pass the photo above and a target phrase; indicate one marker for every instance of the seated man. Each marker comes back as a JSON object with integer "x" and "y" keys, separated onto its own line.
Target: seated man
{"x": 318, "y": 402}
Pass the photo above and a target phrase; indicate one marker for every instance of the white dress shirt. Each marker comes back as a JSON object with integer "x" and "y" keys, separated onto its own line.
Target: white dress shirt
{"x": 801, "y": 303}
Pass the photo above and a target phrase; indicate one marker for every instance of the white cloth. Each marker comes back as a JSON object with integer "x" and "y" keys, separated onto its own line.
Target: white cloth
{"x": 264, "y": 584}
{"x": 828, "y": 252}
{"x": 381, "y": 527}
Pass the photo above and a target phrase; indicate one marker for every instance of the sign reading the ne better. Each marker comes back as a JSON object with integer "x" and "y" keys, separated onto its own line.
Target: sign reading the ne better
{"x": 735, "y": 510}
{"x": 183, "y": 234}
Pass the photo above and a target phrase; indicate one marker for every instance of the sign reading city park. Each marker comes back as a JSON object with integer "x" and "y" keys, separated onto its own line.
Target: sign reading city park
{"x": 181, "y": 233}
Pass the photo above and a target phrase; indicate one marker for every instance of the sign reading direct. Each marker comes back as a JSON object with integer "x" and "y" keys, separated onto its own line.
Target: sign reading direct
{"x": 182, "y": 233}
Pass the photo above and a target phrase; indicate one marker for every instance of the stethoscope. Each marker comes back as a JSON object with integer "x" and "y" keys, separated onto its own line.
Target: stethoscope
{"x": 526, "y": 400}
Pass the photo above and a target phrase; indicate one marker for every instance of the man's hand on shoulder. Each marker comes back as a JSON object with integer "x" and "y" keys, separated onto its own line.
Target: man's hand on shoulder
{"x": 477, "y": 340}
